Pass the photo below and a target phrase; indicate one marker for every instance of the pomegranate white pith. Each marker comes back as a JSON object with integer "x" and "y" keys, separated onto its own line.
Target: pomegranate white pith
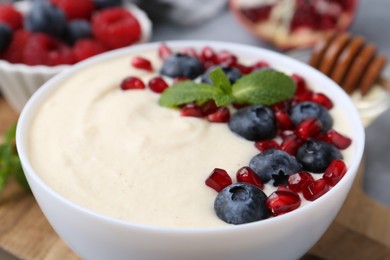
{"x": 293, "y": 23}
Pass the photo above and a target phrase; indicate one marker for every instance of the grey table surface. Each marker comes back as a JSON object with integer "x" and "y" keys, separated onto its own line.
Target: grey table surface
{"x": 372, "y": 21}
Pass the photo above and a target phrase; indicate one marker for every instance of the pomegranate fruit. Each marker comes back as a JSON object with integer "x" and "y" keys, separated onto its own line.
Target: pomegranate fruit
{"x": 292, "y": 24}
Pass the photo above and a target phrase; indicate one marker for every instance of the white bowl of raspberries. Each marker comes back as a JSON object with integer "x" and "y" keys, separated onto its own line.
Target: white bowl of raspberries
{"x": 39, "y": 39}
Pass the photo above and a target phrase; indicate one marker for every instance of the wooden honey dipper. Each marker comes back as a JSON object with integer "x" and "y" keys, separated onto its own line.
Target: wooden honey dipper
{"x": 350, "y": 61}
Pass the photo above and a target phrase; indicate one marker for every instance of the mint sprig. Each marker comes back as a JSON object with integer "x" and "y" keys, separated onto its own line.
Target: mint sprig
{"x": 9, "y": 161}
{"x": 264, "y": 87}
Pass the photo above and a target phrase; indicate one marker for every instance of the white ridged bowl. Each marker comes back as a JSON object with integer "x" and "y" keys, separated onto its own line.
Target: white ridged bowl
{"x": 19, "y": 81}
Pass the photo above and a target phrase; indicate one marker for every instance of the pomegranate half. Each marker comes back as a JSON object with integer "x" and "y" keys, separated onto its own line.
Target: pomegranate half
{"x": 290, "y": 24}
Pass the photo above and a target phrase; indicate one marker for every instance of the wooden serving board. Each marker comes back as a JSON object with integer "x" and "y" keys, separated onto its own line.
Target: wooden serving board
{"x": 360, "y": 231}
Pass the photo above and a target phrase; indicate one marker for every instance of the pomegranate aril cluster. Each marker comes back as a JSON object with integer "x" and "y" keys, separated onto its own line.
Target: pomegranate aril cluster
{"x": 186, "y": 64}
{"x": 305, "y": 128}
{"x": 299, "y": 148}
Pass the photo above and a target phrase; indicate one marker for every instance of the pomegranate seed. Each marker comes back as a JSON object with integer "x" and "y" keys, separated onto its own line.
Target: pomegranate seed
{"x": 164, "y": 51}
{"x": 218, "y": 179}
{"x": 243, "y": 69}
{"x": 142, "y": 63}
{"x": 291, "y": 144}
{"x": 283, "y": 201}
{"x": 179, "y": 79}
{"x": 239, "y": 106}
{"x": 300, "y": 83}
{"x": 281, "y": 106}
{"x": 157, "y": 84}
{"x": 208, "y": 107}
{"x": 303, "y": 96}
{"x": 315, "y": 189}
{"x": 260, "y": 65}
{"x": 283, "y": 120}
{"x": 322, "y": 99}
{"x": 308, "y": 128}
{"x": 190, "y": 52}
{"x": 298, "y": 181}
{"x": 246, "y": 174}
{"x": 321, "y": 137}
{"x": 335, "y": 172}
{"x": 221, "y": 115}
{"x": 191, "y": 110}
{"x": 337, "y": 139}
{"x": 227, "y": 59}
{"x": 208, "y": 54}
{"x": 132, "y": 83}
{"x": 266, "y": 145}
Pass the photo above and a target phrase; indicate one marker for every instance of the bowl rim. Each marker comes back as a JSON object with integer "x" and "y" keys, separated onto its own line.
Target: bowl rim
{"x": 24, "y": 5}
{"x": 30, "y": 109}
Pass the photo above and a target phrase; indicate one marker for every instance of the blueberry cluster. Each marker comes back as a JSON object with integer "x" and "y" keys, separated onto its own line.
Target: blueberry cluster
{"x": 256, "y": 123}
{"x": 295, "y": 138}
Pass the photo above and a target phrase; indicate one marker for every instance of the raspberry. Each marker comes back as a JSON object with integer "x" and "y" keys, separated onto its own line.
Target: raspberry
{"x": 75, "y": 9}
{"x": 86, "y": 48}
{"x": 62, "y": 55}
{"x": 115, "y": 27}
{"x": 14, "y": 52}
{"x": 11, "y": 16}
{"x": 42, "y": 49}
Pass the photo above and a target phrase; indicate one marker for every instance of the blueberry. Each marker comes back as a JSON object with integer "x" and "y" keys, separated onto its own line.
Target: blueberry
{"x": 101, "y": 4}
{"x": 233, "y": 74}
{"x": 254, "y": 123}
{"x": 315, "y": 156}
{"x": 182, "y": 65}
{"x": 46, "y": 18}
{"x": 5, "y": 36}
{"x": 274, "y": 162}
{"x": 241, "y": 203}
{"x": 308, "y": 109}
{"x": 78, "y": 29}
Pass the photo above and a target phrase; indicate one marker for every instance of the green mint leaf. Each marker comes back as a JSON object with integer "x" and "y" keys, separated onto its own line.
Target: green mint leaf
{"x": 188, "y": 91}
{"x": 9, "y": 160}
{"x": 10, "y": 134}
{"x": 4, "y": 165}
{"x": 17, "y": 170}
{"x": 223, "y": 100}
{"x": 264, "y": 87}
{"x": 219, "y": 78}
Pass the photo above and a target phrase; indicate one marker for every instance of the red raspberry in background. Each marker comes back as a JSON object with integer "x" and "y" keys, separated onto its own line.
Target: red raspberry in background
{"x": 115, "y": 27}
{"x": 42, "y": 49}
{"x": 86, "y": 48}
{"x": 14, "y": 52}
{"x": 62, "y": 55}
{"x": 11, "y": 16}
{"x": 75, "y": 9}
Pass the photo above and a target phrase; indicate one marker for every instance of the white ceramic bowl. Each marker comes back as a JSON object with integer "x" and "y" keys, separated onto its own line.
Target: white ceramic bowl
{"x": 19, "y": 81}
{"x": 289, "y": 236}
